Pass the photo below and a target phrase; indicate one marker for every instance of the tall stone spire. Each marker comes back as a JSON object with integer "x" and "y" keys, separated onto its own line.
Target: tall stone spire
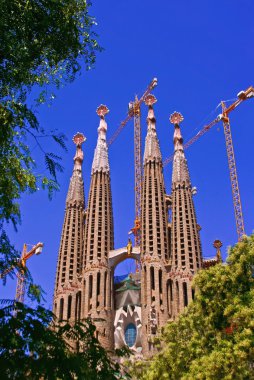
{"x": 180, "y": 168}
{"x": 67, "y": 296}
{"x": 100, "y": 161}
{"x": 185, "y": 240}
{"x": 152, "y": 148}
{"x": 154, "y": 237}
{"x": 99, "y": 240}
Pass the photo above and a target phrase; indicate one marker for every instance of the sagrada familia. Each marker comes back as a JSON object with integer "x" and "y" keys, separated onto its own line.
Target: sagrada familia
{"x": 130, "y": 311}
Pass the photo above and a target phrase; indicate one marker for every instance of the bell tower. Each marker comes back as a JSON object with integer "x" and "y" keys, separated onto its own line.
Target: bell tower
{"x": 99, "y": 240}
{"x": 67, "y": 295}
{"x": 154, "y": 237}
{"x": 185, "y": 239}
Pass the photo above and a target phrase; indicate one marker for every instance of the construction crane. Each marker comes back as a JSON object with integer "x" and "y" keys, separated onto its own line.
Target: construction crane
{"x": 21, "y": 282}
{"x": 134, "y": 112}
{"x": 241, "y": 96}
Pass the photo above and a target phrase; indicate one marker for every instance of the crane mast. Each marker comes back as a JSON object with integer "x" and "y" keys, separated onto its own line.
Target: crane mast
{"x": 21, "y": 282}
{"x": 130, "y": 115}
{"x": 138, "y": 171}
{"x": 233, "y": 174}
{"x": 134, "y": 112}
{"x": 242, "y": 95}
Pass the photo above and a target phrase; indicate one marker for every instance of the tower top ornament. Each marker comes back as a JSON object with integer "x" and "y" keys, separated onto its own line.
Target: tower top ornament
{"x": 102, "y": 110}
{"x": 78, "y": 139}
{"x": 176, "y": 118}
{"x": 217, "y": 244}
{"x": 150, "y": 100}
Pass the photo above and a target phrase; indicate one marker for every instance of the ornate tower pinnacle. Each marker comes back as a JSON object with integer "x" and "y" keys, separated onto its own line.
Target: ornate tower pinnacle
{"x": 99, "y": 240}
{"x": 100, "y": 161}
{"x": 180, "y": 168}
{"x": 154, "y": 237}
{"x": 78, "y": 140}
{"x": 67, "y": 297}
{"x": 217, "y": 245}
{"x": 185, "y": 240}
{"x": 176, "y": 118}
{"x": 152, "y": 148}
{"x": 76, "y": 188}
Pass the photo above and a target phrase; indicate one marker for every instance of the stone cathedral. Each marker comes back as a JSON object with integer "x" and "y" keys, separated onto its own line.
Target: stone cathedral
{"x": 133, "y": 309}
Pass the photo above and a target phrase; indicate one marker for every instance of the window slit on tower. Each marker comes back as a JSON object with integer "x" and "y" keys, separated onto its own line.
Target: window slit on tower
{"x": 152, "y": 278}
{"x": 105, "y": 288}
{"x": 90, "y": 286}
{"x": 177, "y": 297}
{"x": 98, "y": 288}
{"x": 185, "y": 294}
{"x": 61, "y": 308}
{"x": 69, "y": 307}
{"x": 160, "y": 281}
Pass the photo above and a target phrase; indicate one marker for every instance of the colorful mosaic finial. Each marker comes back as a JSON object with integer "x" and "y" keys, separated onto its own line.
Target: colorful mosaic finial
{"x": 100, "y": 160}
{"x": 217, "y": 244}
{"x": 150, "y": 100}
{"x": 176, "y": 118}
{"x": 78, "y": 139}
{"x": 102, "y": 110}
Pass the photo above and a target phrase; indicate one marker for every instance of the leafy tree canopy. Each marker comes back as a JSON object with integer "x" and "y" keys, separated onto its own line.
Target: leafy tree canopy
{"x": 34, "y": 346}
{"x": 43, "y": 45}
{"x": 214, "y": 337}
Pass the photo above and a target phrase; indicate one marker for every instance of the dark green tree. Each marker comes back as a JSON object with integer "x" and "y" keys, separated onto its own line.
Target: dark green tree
{"x": 214, "y": 338}
{"x": 33, "y": 346}
{"x": 44, "y": 44}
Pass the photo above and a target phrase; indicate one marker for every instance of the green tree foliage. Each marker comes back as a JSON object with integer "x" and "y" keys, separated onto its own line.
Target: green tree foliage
{"x": 214, "y": 337}
{"x": 43, "y": 45}
{"x": 33, "y": 346}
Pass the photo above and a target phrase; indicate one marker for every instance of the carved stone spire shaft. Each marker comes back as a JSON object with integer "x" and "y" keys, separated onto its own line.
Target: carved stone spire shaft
{"x": 67, "y": 297}
{"x": 99, "y": 240}
{"x": 152, "y": 148}
{"x": 154, "y": 238}
{"x": 185, "y": 239}
{"x": 180, "y": 168}
{"x": 100, "y": 161}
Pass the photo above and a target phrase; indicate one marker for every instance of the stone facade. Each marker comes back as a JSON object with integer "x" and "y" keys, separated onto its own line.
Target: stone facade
{"x": 169, "y": 255}
{"x": 68, "y": 285}
{"x": 98, "y": 241}
{"x": 154, "y": 239}
{"x": 185, "y": 241}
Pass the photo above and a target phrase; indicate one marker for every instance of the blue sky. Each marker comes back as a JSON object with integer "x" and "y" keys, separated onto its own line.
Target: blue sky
{"x": 201, "y": 52}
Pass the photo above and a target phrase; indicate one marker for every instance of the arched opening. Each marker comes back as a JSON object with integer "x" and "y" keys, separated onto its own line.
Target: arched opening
{"x": 123, "y": 269}
{"x": 130, "y": 334}
{"x": 126, "y": 283}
